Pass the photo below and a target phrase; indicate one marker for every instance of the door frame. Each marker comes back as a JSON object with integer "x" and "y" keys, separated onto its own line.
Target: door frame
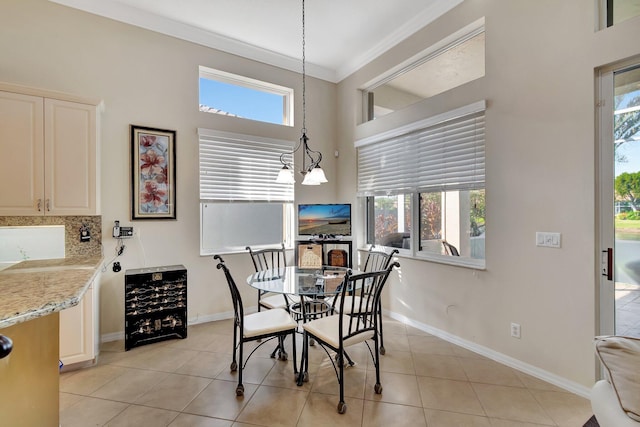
{"x": 605, "y": 171}
{"x": 605, "y": 295}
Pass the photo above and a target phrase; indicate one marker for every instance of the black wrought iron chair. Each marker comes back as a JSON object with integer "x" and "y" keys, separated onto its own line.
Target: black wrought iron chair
{"x": 376, "y": 260}
{"x": 337, "y": 332}
{"x": 267, "y": 259}
{"x": 276, "y": 323}
{"x": 379, "y": 260}
{"x": 449, "y": 249}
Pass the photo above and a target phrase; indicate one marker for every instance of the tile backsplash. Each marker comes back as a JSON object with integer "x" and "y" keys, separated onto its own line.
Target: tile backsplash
{"x": 72, "y": 225}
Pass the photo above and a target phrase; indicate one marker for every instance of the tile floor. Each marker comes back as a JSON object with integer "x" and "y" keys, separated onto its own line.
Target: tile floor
{"x": 627, "y": 309}
{"x": 426, "y": 381}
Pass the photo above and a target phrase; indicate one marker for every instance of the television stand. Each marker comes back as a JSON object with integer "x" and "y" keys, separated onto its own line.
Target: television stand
{"x": 327, "y": 245}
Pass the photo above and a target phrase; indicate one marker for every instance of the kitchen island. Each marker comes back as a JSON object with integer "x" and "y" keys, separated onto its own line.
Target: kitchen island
{"x": 32, "y": 293}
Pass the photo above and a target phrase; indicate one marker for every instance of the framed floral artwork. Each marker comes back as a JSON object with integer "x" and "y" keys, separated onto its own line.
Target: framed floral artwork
{"x": 153, "y": 173}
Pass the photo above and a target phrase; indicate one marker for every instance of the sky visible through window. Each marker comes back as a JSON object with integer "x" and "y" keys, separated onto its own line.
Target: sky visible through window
{"x": 241, "y": 101}
{"x": 630, "y": 150}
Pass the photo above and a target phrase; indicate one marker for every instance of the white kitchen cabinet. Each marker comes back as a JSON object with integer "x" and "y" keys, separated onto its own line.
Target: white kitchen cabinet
{"x": 79, "y": 330}
{"x": 49, "y": 156}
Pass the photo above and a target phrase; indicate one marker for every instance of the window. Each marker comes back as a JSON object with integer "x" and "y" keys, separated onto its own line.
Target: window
{"x": 237, "y": 185}
{"x": 616, "y": 11}
{"x": 454, "y": 217}
{"x": 390, "y": 217}
{"x": 452, "y": 62}
{"x": 424, "y": 187}
{"x": 237, "y": 96}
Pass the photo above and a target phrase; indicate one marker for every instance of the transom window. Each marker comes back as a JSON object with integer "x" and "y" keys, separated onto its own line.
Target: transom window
{"x": 613, "y": 12}
{"x": 242, "y": 97}
{"x": 452, "y": 62}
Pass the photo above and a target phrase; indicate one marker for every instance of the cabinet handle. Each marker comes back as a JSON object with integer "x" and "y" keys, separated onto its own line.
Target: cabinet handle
{"x": 39, "y": 205}
{"x": 48, "y": 205}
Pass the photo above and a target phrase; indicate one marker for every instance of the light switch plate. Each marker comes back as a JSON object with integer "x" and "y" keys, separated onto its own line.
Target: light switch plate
{"x": 548, "y": 239}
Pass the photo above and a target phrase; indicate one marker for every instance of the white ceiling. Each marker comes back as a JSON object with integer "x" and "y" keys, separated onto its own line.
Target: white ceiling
{"x": 341, "y": 35}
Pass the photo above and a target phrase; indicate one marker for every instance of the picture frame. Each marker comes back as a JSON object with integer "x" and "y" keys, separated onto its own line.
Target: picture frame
{"x": 153, "y": 173}
{"x": 310, "y": 255}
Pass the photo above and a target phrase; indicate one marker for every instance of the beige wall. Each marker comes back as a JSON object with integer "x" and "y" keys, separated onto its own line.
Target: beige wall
{"x": 540, "y": 159}
{"x": 539, "y": 87}
{"x": 149, "y": 79}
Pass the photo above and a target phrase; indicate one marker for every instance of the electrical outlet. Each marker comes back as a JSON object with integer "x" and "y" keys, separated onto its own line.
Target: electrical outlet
{"x": 515, "y": 330}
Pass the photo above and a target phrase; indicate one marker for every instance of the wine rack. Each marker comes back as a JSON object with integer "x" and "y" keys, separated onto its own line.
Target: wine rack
{"x": 155, "y": 305}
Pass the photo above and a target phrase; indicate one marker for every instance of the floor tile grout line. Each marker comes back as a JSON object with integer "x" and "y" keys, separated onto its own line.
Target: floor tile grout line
{"x": 531, "y": 388}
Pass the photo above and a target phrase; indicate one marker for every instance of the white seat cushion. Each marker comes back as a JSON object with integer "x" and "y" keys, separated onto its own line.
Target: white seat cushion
{"x": 326, "y": 329}
{"x": 278, "y": 300}
{"x": 266, "y": 322}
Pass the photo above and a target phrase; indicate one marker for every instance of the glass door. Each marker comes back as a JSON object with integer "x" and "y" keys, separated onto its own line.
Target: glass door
{"x": 626, "y": 185}
{"x": 620, "y": 201}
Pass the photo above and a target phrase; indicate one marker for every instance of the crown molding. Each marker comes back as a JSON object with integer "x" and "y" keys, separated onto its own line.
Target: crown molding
{"x": 420, "y": 21}
{"x": 133, "y": 16}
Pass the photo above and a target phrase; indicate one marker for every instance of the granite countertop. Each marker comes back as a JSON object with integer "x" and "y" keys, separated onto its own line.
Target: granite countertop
{"x": 32, "y": 289}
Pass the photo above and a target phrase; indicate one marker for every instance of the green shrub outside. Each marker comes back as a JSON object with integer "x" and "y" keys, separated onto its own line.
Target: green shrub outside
{"x": 632, "y": 216}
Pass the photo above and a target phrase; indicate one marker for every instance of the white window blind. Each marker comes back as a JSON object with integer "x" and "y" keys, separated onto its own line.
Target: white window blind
{"x": 236, "y": 167}
{"x": 445, "y": 156}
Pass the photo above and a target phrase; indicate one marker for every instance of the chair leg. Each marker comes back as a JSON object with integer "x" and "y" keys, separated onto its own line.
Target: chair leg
{"x": 280, "y": 350}
{"x": 342, "y": 406}
{"x": 240, "y": 387}
{"x": 275, "y": 350}
{"x": 234, "y": 362}
{"x": 303, "y": 374}
{"x": 376, "y": 361}
{"x": 293, "y": 344}
{"x": 382, "y": 350}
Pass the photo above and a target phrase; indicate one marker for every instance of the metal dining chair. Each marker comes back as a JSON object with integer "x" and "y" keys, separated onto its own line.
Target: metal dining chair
{"x": 449, "y": 249}
{"x": 379, "y": 260}
{"x": 337, "y": 332}
{"x": 266, "y": 325}
{"x": 376, "y": 260}
{"x": 268, "y": 259}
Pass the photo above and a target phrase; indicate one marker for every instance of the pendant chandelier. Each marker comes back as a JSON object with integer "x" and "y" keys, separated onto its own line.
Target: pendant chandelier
{"x": 311, "y": 170}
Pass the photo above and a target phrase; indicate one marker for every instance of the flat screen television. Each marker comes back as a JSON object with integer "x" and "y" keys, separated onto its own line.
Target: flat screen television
{"x": 324, "y": 219}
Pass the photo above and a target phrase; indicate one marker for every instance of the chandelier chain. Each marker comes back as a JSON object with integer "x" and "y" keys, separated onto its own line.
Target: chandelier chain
{"x": 313, "y": 173}
{"x": 304, "y": 91}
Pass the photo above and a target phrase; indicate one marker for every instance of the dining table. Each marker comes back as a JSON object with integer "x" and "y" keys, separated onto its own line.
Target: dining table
{"x": 315, "y": 288}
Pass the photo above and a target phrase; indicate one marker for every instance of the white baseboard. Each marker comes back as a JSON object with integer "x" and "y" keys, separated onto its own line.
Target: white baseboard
{"x": 536, "y": 372}
{"x": 113, "y": 336}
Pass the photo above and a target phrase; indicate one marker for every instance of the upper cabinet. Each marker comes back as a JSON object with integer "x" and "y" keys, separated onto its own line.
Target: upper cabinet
{"x": 49, "y": 152}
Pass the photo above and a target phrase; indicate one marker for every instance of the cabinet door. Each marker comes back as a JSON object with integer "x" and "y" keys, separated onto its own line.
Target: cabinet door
{"x": 21, "y": 154}
{"x": 77, "y": 335}
{"x": 71, "y": 178}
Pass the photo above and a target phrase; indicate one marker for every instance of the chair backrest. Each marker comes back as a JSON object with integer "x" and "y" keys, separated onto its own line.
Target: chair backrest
{"x": 449, "y": 249}
{"x": 266, "y": 259}
{"x": 238, "y": 308}
{"x": 361, "y": 314}
{"x": 378, "y": 260}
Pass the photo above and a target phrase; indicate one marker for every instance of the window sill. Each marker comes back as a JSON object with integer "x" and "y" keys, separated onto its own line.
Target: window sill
{"x": 475, "y": 264}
